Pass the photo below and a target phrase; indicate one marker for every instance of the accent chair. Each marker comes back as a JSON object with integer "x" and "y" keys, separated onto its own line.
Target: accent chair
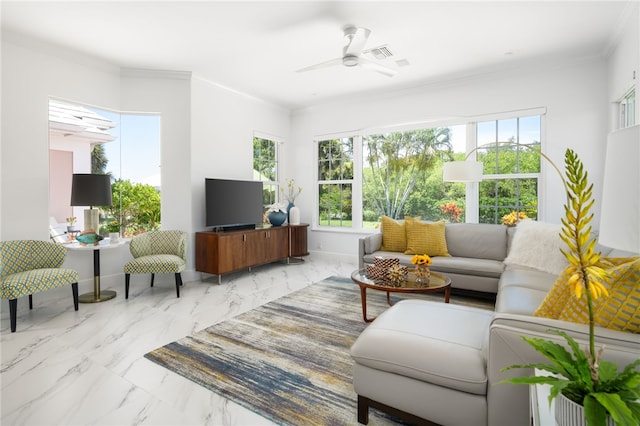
{"x": 31, "y": 266}
{"x": 157, "y": 252}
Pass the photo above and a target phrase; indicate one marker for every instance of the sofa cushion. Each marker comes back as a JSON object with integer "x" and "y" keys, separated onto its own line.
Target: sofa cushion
{"x": 557, "y": 298}
{"x": 426, "y": 238}
{"x": 468, "y": 266}
{"x": 520, "y": 300}
{"x": 537, "y": 245}
{"x": 406, "y": 340}
{"x": 527, "y": 277}
{"x": 477, "y": 240}
{"x": 522, "y": 290}
{"x": 620, "y": 310}
{"x": 394, "y": 237}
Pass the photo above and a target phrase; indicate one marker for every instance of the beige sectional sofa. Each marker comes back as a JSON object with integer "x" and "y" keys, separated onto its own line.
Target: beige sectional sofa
{"x": 477, "y": 254}
{"x": 442, "y": 362}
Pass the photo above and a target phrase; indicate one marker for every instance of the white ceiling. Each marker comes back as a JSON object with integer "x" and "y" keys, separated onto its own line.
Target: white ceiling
{"x": 256, "y": 47}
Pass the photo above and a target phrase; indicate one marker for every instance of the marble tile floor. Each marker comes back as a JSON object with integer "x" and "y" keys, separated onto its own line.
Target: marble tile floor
{"x": 63, "y": 367}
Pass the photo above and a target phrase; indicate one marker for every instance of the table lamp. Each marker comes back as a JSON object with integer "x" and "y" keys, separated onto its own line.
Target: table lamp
{"x": 620, "y": 212}
{"x": 91, "y": 190}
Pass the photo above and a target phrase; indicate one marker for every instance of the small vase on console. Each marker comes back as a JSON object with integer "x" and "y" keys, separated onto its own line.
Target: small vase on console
{"x": 294, "y": 216}
{"x": 277, "y": 218}
{"x": 289, "y": 206}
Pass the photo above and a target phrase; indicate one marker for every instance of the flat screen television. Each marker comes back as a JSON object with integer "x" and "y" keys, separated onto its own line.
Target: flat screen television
{"x": 233, "y": 204}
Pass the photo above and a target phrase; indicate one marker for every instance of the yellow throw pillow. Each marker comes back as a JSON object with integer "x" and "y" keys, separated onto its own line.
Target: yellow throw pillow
{"x": 426, "y": 238}
{"x": 621, "y": 309}
{"x": 557, "y": 298}
{"x": 394, "y": 237}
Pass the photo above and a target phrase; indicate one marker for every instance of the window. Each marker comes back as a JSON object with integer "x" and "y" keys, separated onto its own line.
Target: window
{"x": 335, "y": 182}
{"x": 627, "y": 108}
{"x": 93, "y": 140}
{"x": 265, "y": 167}
{"x": 400, "y": 173}
{"x": 511, "y": 167}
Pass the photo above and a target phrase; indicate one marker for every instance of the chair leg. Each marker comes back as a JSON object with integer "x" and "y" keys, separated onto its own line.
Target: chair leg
{"x": 126, "y": 285}
{"x": 152, "y": 276}
{"x": 13, "y": 310}
{"x": 31, "y": 301}
{"x": 74, "y": 290}
{"x": 178, "y": 283}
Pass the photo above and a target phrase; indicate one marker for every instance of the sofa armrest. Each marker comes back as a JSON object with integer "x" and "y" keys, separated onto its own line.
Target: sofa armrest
{"x": 367, "y": 245}
{"x": 509, "y": 403}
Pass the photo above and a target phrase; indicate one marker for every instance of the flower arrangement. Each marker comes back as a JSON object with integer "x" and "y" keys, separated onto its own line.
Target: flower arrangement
{"x": 513, "y": 218}
{"x": 292, "y": 192}
{"x": 277, "y": 207}
{"x": 583, "y": 376}
{"x": 421, "y": 260}
{"x": 71, "y": 220}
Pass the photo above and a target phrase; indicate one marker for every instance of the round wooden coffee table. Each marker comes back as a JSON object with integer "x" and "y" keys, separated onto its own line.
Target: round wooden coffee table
{"x": 437, "y": 282}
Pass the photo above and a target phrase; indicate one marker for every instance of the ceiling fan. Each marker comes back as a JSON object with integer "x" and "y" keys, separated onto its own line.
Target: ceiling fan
{"x": 352, "y": 54}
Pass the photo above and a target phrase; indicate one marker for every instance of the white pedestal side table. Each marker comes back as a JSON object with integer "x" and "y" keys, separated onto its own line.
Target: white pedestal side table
{"x": 97, "y": 295}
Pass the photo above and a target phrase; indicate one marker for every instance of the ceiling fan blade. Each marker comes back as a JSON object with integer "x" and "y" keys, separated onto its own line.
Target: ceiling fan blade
{"x": 374, "y": 66}
{"x": 357, "y": 40}
{"x": 326, "y": 64}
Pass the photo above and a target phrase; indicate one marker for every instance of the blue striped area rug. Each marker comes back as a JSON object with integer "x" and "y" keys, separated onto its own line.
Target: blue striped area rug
{"x": 287, "y": 360}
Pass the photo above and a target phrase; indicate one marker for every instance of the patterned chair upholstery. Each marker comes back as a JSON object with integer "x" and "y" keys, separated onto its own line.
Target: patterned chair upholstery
{"x": 32, "y": 266}
{"x": 157, "y": 252}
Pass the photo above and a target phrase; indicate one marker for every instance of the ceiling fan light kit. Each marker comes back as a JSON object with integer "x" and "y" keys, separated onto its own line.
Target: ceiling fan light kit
{"x": 350, "y": 61}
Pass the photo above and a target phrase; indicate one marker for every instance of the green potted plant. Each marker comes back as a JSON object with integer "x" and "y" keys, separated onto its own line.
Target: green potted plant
{"x": 581, "y": 375}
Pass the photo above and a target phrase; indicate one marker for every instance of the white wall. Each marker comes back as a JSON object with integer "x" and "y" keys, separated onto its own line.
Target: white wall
{"x": 624, "y": 64}
{"x": 29, "y": 78}
{"x": 31, "y": 74}
{"x": 169, "y": 95}
{"x": 219, "y": 144}
{"x": 574, "y": 94}
{"x": 222, "y": 125}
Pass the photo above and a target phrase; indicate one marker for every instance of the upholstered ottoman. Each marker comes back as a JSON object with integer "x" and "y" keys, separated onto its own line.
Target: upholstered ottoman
{"x": 424, "y": 360}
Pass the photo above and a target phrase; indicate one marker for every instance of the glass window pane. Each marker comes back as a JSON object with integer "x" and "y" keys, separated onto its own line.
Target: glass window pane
{"x": 265, "y": 164}
{"x": 499, "y": 197}
{"x": 335, "y": 205}
{"x": 508, "y": 130}
{"x": 402, "y": 175}
{"x": 335, "y": 163}
{"x": 486, "y": 132}
{"x": 529, "y": 130}
{"x": 516, "y": 151}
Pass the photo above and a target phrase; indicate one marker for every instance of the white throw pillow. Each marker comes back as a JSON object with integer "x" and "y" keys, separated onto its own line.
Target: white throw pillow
{"x": 537, "y": 245}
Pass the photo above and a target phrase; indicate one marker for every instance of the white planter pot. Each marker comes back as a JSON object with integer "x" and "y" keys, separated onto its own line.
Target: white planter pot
{"x": 569, "y": 413}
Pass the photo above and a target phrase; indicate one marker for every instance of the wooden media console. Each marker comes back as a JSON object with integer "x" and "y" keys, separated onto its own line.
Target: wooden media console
{"x": 223, "y": 252}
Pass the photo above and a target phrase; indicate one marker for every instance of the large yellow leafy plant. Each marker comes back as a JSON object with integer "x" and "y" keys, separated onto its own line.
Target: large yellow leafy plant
{"x": 583, "y": 376}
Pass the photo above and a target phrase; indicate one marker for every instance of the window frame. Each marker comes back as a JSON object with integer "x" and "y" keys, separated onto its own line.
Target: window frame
{"x": 472, "y": 194}
{"x": 277, "y": 142}
{"x": 627, "y": 109}
{"x": 508, "y": 176}
{"x": 356, "y": 184}
{"x": 119, "y": 172}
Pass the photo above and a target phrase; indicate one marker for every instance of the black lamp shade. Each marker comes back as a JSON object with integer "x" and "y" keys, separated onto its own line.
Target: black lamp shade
{"x": 91, "y": 190}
